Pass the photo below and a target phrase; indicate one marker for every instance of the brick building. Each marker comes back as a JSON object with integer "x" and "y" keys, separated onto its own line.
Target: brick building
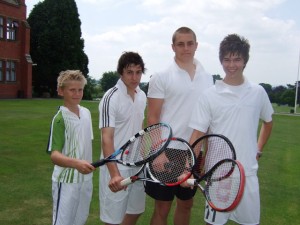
{"x": 15, "y": 60}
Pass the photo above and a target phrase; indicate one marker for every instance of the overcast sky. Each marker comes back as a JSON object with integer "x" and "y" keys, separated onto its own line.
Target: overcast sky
{"x": 110, "y": 27}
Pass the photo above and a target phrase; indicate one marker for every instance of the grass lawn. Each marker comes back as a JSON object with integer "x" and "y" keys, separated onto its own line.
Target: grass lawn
{"x": 25, "y": 172}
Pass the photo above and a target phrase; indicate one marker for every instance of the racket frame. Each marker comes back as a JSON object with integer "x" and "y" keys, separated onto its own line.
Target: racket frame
{"x": 201, "y": 156}
{"x": 122, "y": 150}
{"x": 196, "y": 182}
{"x": 152, "y": 178}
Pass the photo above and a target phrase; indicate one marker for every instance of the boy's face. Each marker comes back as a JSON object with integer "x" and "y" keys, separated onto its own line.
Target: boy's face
{"x": 72, "y": 92}
{"x": 184, "y": 47}
{"x": 131, "y": 76}
{"x": 233, "y": 65}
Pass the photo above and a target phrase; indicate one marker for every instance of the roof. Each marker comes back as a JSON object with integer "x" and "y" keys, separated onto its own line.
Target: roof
{"x": 14, "y": 2}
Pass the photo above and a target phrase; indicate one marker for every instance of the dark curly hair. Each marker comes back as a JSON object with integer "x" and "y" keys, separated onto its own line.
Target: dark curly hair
{"x": 128, "y": 58}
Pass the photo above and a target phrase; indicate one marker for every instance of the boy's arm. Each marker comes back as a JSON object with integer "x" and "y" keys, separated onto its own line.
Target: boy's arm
{"x": 264, "y": 134}
{"x": 60, "y": 159}
{"x": 195, "y": 135}
{"x": 107, "y": 136}
{"x": 154, "y": 110}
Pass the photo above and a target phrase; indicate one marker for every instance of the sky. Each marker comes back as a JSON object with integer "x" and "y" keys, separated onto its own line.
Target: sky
{"x": 110, "y": 27}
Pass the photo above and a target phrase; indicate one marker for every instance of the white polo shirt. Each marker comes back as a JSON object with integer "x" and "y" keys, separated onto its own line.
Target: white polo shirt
{"x": 234, "y": 111}
{"x": 118, "y": 110}
{"x": 180, "y": 93}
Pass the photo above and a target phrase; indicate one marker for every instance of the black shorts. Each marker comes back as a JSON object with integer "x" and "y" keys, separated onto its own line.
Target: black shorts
{"x": 164, "y": 193}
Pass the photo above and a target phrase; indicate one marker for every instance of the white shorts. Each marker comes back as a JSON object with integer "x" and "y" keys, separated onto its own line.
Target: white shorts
{"x": 71, "y": 202}
{"x": 247, "y": 212}
{"x": 114, "y": 206}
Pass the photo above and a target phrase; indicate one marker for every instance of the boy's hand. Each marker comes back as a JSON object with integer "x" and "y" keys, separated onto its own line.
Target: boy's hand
{"x": 84, "y": 167}
{"x": 115, "y": 184}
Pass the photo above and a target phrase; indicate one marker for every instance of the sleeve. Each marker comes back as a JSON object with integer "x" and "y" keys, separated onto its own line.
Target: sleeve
{"x": 201, "y": 115}
{"x": 156, "y": 87}
{"x": 57, "y": 134}
{"x": 107, "y": 111}
{"x": 267, "y": 109}
{"x": 91, "y": 124}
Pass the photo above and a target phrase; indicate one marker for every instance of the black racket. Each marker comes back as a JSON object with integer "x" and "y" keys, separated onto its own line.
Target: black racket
{"x": 223, "y": 185}
{"x": 171, "y": 167}
{"x": 209, "y": 150}
{"x": 142, "y": 147}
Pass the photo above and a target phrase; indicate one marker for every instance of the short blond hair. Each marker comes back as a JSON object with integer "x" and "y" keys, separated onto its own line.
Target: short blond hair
{"x": 183, "y": 30}
{"x": 70, "y": 75}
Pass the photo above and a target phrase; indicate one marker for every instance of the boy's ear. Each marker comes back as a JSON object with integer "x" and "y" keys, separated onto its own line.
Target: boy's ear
{"x": 60, "y": 91}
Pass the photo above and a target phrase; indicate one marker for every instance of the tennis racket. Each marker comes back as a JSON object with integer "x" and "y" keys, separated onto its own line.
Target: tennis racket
{"x": 223, "y": 185}
{"x": 171, "y": 167}
{"x": 209, "y": 150}
{"x": 142, "y": 147}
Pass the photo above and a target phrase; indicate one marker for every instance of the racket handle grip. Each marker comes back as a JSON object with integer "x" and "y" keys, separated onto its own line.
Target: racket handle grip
{"x": 126, "y": 182}
{"x": 191, "y": 182}
{"x": 98, "y": 163}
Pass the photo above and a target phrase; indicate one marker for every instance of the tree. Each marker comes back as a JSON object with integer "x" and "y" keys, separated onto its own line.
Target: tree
{"x": 267, "y": 87}
{"x": 276, "y": 94}
{"x": 90, "y": 90}
{"x": 56, "y": 43}
{"x": 144, "y": 86}
{"x": 298, "y": 92}
{"x": 288, "y": 97}
{"x": 108, "y": 80}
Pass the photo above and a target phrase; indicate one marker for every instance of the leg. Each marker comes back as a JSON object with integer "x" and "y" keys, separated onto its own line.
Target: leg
{"x": 136, "y": 203}
{"x": 85, "y": 197}
{"x": 112, "y": 205}
{"x": 183, "y": 212}
{"x": 161, "y": 212}
{"x": 163, "y": 197}
{"x": 130, "y": 219}
{"x": 65, "y": 202}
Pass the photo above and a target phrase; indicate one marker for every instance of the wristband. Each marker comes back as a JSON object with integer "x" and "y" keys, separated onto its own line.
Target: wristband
{"x": 259, "y": 153}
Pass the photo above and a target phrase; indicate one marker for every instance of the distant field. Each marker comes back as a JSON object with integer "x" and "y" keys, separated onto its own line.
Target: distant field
{"x": 25, "y": 172}
{"x": 284, "y": 109}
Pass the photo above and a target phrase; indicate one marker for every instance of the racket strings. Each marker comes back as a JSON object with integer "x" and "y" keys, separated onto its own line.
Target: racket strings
{"x": 209, "y": 151}
{"x": 174, "y": 164}
{"x": 222, "y": 187}
{"x": 146, "y": 145}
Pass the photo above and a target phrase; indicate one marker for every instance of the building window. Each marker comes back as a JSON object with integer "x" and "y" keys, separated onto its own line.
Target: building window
{"x": 11, "y": 29}
{"x": 10, "y": 71}
{"x": 1, "y": 71}
{"x": 1, "y": 28}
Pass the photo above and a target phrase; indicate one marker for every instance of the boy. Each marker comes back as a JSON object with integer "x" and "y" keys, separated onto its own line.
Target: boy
{"x": 70, "y": 146}
{"x": 171, "y": 96}
{"x": 234, "y": 107}
{"x": 121, "y": 115}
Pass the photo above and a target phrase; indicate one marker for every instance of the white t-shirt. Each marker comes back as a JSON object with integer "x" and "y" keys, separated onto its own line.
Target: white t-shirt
{"x": 180, "y": 93}
{"x": 118, "y": 110}
{"x": 234, "y": 111}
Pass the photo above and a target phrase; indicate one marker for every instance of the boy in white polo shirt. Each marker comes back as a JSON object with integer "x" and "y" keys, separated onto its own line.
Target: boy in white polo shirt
{"x": 171, "y": 97}
{"x": 234, "y": 107}
{"x": 121, "y": 115}
{"x": 70, "y": 145}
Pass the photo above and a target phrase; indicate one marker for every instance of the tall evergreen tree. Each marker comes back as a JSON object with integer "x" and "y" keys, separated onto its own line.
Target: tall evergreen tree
{"x": 56, "y": 43}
